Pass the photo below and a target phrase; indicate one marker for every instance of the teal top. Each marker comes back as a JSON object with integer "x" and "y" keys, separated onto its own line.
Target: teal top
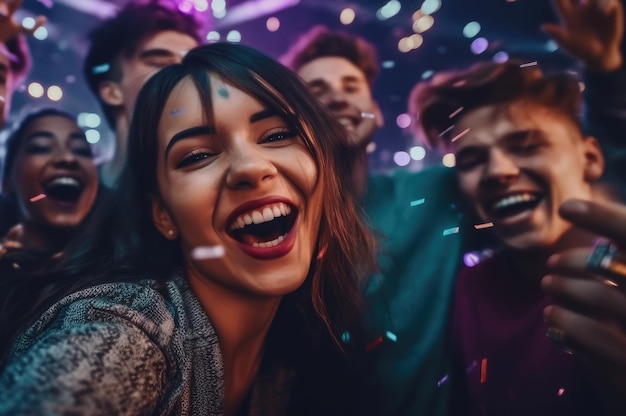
{"x": 408, "y": 303}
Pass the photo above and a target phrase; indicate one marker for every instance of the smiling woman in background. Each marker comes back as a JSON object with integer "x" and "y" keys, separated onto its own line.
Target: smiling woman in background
{"x": 223, "y": 274}
{"x": 50, "y": 181}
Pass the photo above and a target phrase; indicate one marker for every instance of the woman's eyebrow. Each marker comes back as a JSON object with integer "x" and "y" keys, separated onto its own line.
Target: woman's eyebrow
{"x": 187, "y": 133}
{"x": 262, "y": 115}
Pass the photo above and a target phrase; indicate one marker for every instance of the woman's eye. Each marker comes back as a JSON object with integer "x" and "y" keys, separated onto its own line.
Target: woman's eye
{"x": 193, "y": 157}
{"x": 36, "y": 149}
{"x": 279, "y": 136}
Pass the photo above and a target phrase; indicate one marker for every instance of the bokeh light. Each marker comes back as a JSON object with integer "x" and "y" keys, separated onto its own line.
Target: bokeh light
{"x": 479, "y": 45}
{"x": 213, "y": 36}
{"x": 430, "y": 6}
{"x": 471, "y": 29}
{"x": 417, "y": 152}
{"x": 403, "y": 120}
{"x": 36, "y": 90}
{"x": 233, "y": 36}
{"x": 272, "y": 24}
{"x": 347, "y": 16}
{"x": 501, "y": 57}
{"x": 93, "y": 136}
{"x": 54, "y": 93}
{"x": 448, "y": 160}
{"x": 389, "y": 10}
{"x": 41, "y": 33}
{"x": 422, "y": 24}
{"x": 401, "y": 158}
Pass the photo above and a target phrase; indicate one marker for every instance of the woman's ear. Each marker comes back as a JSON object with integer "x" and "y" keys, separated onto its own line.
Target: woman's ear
{"x": 594, "y": 159}
{"x": 162, "y": 220}
{"x": 111, "y": 93}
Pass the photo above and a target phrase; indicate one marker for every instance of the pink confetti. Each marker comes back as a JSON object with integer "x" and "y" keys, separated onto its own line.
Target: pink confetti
{"x": 483, "y": 226}
{"x": 208, "y": 252}
{"x": 38, "y": 198}
{"x": 560, "y": 392}
{"x": 461, "y": 134}
{"x": 455, "y": 112}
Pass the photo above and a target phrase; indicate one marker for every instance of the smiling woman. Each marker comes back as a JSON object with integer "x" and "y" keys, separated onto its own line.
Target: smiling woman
{"x": 49, "y": 180}
{"x": 221, "y": 276}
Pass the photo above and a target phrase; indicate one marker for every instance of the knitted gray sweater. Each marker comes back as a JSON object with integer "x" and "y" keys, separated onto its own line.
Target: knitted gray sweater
{"x": 117, "y": 349}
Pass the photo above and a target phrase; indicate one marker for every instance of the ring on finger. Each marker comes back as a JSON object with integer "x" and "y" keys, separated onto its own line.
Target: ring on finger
{"x": 608, "y": 261}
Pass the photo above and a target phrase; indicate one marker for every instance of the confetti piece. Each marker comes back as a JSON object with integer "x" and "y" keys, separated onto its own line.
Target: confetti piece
{"x": 452, "y": 230}
{"x": 560, "y": 392}
{"x": 418, "y": 202}
{"x": 459, "y": 83}
{"x": 100, "y": 69}
{"x": 472, "y": 366}
{"x": 446, "y": 131}
{"x": 345, "y": 337}
{"x": 375, "y": 343}
{"x": 483, "y": 226}
{"x": 533, "y": 63}
{"x": 38, "y": 198}
{"x": 442, "y": 381}
{"x": 483, "y": 371}
{"x": 368, "y": 115}
{"x": 455, "y": 112}
{"x": 208, "y": 252}
{"x": 391, "y": 336}
{"x": 461, "y": 134}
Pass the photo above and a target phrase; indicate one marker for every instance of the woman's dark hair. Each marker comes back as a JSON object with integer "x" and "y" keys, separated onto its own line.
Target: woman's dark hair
{"x": 9, "y": 215}
{"x": 123, "y": 244}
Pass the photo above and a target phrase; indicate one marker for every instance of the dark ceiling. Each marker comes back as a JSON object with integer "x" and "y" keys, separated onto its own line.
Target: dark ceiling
{"x": 510, "y": 26}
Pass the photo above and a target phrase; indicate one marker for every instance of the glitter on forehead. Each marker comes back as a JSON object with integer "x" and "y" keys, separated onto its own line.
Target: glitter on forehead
{"x": 461, "y": 134}
{"x": 38, "y": 197}
{"x": 100, "y": 69}
{"x": 418, "y": 202}
{"x": 208, "y": 252}
{"x": 222, "y": 92}
{"x": 177, "y": 111}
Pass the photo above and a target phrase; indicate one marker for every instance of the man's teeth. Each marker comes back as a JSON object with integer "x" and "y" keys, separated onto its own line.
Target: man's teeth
{"x": 272, "y": 243}
{"x": 64, "y": 180}
{"x": 346, "y": 122}
{"x": 259, "y": 216}
{"x": 512, "y": 200}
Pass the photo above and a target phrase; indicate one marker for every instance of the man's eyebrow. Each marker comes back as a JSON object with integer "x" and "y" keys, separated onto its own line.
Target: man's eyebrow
{"x": 186, "y": 134}
{"x": 317, "y": 82}
{"x": 521, "y": 135}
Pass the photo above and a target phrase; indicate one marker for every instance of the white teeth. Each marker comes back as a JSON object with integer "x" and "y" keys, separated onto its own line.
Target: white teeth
{"x": 65, "y": 180}
{"x": 272, "y": 243}
{"x": 346, "y": 122}
{"x": 266, "y": 214}
{"x": 512, "y": 200}
{"x": 257, "y": 217}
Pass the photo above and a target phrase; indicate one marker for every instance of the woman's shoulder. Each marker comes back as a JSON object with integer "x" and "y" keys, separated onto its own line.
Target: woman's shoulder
{"x": 144, "y": 305}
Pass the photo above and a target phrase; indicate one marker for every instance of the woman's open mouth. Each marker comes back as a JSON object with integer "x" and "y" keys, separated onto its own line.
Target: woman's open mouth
{"x": 264, "y": 227}
{"x": 64, "y": 189}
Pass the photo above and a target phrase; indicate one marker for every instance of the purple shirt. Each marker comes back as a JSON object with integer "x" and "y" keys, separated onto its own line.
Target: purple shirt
{"x": 499, "y": 338}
